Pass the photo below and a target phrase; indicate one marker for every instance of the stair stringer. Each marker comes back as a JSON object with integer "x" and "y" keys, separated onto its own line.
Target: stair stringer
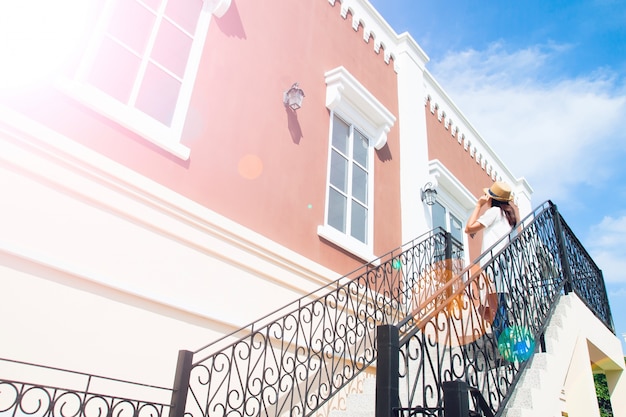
{"x": 359, "y": 403}
{"x": 541, "y": 391}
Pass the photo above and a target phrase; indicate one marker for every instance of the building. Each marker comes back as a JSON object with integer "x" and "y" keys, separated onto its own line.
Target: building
{"x": 159, "y": 193}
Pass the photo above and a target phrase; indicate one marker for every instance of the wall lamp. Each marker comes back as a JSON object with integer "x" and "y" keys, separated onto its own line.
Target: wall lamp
{"x": 429, "y": 194}
{"x": 293, "y": 97}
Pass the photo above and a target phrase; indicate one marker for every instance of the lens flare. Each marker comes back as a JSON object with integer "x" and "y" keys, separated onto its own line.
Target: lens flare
{"x": 250, "y": 167}
{"x": 37, "y": 37}
{"x": 516, "y": 343}
{"x": 396, "y": 264}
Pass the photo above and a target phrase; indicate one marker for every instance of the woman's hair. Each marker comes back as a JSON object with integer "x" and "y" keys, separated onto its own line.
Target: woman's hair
{"x": 507, "y": 209}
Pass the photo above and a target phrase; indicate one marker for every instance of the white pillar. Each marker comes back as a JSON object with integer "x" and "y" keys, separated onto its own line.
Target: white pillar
{"x": 580, "y": 391}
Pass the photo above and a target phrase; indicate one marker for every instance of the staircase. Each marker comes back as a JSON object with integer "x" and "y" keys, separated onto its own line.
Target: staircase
{"x": 538, "y": 392}
{"x": 318, "y": 356}
{"x": 360, "y": 404}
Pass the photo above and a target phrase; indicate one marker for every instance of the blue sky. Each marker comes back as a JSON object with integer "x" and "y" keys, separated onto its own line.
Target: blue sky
{"x": 544, "y": 82}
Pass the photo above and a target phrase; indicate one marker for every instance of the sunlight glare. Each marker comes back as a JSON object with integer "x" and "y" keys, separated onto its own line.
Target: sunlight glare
{"x": 36, "y": 38}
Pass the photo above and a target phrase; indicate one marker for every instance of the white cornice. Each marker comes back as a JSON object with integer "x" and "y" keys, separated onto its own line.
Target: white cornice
{"x": 26, "y": 143}
{"x": 448, "y": 181}
{"x": 407, "y": 44}
{"x": 375, "y": 27}
{"x": 464, "y": 132}
{"x": 342, "y": 88}
{"x": 217, "y": 7}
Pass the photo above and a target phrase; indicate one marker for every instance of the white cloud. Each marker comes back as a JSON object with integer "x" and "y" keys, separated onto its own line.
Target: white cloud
{"x": 607, "y": 246}
{"x": 555, "y": 133}
{"x": 617, "y": 292}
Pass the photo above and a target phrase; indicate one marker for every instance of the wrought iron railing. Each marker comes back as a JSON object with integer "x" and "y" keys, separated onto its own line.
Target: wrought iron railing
{"x": 464, "y": 338}
{"x": 586, "y": 278}
{"x": 295, "y": 359}
{"x": 63, "y": 393}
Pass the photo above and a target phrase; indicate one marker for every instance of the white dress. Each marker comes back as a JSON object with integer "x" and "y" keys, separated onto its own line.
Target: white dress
{"x": 496, "y": 226}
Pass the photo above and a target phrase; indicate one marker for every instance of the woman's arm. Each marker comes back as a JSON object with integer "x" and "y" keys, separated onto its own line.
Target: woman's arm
{"x": 473, "y": 225}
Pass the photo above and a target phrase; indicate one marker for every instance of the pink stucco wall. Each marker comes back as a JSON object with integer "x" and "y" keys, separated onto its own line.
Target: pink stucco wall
{"x": 252, "y": 160}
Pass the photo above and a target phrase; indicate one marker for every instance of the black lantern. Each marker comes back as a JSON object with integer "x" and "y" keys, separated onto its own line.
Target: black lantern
{"x": 293, "y": 97}
{"x": 429, "y": 194}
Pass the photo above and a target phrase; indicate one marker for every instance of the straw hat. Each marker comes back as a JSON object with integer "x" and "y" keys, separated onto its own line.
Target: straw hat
{"x": 499, "y": 191}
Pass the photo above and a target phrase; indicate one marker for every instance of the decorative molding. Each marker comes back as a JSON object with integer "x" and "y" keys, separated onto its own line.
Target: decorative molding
{"x": 217, "y": 7}
{"x": 476, "y": 148}
{"x": 190, "y": 223}
{"x": 345, "y": 93}
{"x": 364, "y": 15}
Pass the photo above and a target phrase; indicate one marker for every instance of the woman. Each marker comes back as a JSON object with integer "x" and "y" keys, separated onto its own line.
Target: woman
{"x": 499, "y": 218}
{"x": 497, "y": 221}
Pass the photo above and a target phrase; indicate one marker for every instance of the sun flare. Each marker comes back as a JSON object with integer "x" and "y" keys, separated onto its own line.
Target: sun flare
{"x": 36, "y": 38}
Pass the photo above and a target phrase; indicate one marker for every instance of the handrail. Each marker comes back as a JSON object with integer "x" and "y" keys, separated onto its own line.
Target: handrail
{"x": 395, "y": 254}
{"x": 466, "y": 276}
{"x": 454, "y": 335}
{"x": 588, "y": 280}
{"x": 46, "y": 391}
{"x": 293, "y": 360}
{"x": 481, "y": 402}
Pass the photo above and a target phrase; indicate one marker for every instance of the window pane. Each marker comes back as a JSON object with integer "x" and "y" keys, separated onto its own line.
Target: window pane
{"x": 132, "y": 24}
{"x": 341, "y": 133}
{"x": 337, "y": 210}
{"x": 359, "y": 183}
{"x": 358, "y": 223}
{"x": 184, "y": 13}
{"x": 456, "y": 228}
{"x": 339, "y": 171}
{"x": 114, "y": 70}
{"x": 171, "y": 48}
{"x": 158, "y": 94}
{"x": 153, "y": 4}
{"x": 439, "y": 216}
{"x": 360, "y": 148}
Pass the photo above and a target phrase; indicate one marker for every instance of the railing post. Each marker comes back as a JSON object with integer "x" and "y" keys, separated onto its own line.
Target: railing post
{"x": 448, "y": 275}
{"x": 455, "y": 399}
{"x": 560, "y": 237}
{"x": 448, "y": 238}
{"x": 387, "y": 370}
{"x": 181, "y": 383}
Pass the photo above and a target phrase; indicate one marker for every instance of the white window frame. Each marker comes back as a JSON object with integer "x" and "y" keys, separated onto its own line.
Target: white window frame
{"x": 451, "y": 210}
{"x": 165, "y": 137}
{"x": 355, "y": 105}
{"x": 454, "y": 196}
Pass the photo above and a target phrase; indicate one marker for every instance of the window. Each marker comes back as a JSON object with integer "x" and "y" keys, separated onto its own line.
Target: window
{"x": 358, "y": 125}
{"x": 447, "y": 221}
{"x": 140, "y": 66}
{"x": 450, "y": 223}
{"x": 348, "y": 192}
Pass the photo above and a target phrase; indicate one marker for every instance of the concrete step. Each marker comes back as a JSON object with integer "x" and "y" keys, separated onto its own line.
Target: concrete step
{"x": 360, "y": 404}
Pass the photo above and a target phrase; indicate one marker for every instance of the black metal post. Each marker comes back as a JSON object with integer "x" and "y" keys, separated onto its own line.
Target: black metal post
{"x": 448, "y": 238}
{"x": 455, "y": 399}
{"x": 181, "y": 383}
{"x": 387, "y": 370}
{"x": 447, "y": 273}
{"x": 558, "y": 228}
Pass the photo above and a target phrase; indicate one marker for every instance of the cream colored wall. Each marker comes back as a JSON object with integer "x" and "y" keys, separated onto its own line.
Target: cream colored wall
{"x": 579, "y": 387}
{"x": 414, "y": 172}
{"x": 104, "y": 271}
{"x": 596, "y": 345}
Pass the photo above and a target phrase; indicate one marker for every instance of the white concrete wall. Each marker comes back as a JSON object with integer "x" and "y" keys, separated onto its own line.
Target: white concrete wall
{"x": 104, "y": 271}
{"x": 598, "y": 346}
{"x": 414, "y": 172}
{"x": 560, "y": 380}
